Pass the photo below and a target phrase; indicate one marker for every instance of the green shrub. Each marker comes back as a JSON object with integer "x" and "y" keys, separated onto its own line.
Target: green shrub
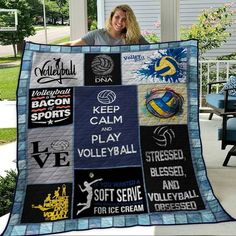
{"x": 151, "y": 37}
{"x": 231, "y": 56}
{"x": 212, "y": 28}
{"x": 7, "y": 189}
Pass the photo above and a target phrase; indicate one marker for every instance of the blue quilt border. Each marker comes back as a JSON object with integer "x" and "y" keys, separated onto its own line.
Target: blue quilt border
{"x": 213, "y": 213}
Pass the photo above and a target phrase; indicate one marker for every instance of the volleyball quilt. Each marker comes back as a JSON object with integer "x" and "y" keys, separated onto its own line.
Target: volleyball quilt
{"x": 109, "y": 137}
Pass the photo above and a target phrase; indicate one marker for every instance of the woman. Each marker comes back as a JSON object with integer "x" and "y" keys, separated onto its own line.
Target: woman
{"x": 121, "y": 28}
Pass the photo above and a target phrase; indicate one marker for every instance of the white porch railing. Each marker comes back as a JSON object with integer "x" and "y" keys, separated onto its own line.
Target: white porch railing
{"x": 213, "y": 70}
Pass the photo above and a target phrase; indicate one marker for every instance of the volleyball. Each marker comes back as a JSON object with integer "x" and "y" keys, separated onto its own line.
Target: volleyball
{"x": 163, "y": 136}
{"x": 106, "y": 97}
{"x": 164, "y": 103}
{"x": 60, "y": 145}
{"x": 91, "y": 174}
{"x": 166, "y": 66}
{"x": 102, "y": 65}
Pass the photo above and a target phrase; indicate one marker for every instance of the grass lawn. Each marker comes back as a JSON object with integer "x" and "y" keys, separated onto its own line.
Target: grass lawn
{"x": 8, "y": 82}
{"x": 41, "y": 27}
{"x": 9, "y": 76}
{"x": 8, "y": 86}
{"x": 8, "y": 59}
{"x": 61, "y": 40}
{"x": 7, "y": 135}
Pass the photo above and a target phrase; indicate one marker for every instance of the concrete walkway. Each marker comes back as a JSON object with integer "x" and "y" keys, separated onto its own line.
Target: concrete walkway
{"x": 7, "y": 151}
{"x": 8, "y": 114}
{"x": 7, "y": 157}
{"x": 10, "y": 64}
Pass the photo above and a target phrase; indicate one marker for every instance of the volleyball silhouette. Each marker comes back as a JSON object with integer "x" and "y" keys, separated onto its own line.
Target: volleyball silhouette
{"x": 166, "y": 66}
{"x": 164, "y": 103}
{"x": 163, "y": 136}
{"x": 106, "y": 97}
{"x": 102, "y": 65}
{"x": 60, "y": 145}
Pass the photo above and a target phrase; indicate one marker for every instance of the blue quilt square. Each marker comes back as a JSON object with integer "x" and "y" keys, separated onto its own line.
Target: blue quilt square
{"x": 105, "y": 120}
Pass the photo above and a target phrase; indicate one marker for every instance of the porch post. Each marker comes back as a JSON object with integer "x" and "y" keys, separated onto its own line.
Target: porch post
{"x": 169, "y": 20}
{"x": 101, "y": 14}
{"x": 78, "y": 18}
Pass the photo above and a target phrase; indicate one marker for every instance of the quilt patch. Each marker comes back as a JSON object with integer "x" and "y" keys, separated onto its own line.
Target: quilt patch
{"x": 109, "y": 137}
{"x": 230, "y": 84}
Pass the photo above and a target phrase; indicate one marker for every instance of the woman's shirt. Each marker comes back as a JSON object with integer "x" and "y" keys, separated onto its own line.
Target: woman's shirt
{"x": 101, "y": 37}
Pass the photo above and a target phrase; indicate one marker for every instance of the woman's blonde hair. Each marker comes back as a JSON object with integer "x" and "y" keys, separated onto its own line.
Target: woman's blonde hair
{"x": 132, "y": 32}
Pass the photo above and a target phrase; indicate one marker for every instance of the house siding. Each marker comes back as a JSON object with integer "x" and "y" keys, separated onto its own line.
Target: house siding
{"x": 148, "y": 13}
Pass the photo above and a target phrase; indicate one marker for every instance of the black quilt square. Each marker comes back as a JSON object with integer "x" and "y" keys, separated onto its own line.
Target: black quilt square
{"x": 168, "y": 169}
{"x": 46, "y": 203}
{"x": 102, "y": 69}
{"x": 103, "y": 192}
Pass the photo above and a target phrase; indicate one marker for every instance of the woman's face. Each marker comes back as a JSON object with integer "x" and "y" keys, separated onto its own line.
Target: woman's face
{"x": 118, "y": 20}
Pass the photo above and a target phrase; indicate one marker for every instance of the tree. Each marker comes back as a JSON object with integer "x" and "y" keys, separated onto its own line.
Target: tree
{"x": 51, "y": 10}
{"x": 36, "y": 11}
{"x": 92, "y": 14}
{"x": 25, "y": 24}
{"x": 211, "y": 30}
{"x": 63, "y": 9}
{"x": 57, "y": 9}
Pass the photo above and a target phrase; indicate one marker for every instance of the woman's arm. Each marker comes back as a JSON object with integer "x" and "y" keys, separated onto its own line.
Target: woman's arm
{"x": 87, "y": 39}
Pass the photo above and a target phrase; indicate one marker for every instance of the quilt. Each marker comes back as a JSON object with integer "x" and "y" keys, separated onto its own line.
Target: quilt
{"x": 108, "y": 136}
